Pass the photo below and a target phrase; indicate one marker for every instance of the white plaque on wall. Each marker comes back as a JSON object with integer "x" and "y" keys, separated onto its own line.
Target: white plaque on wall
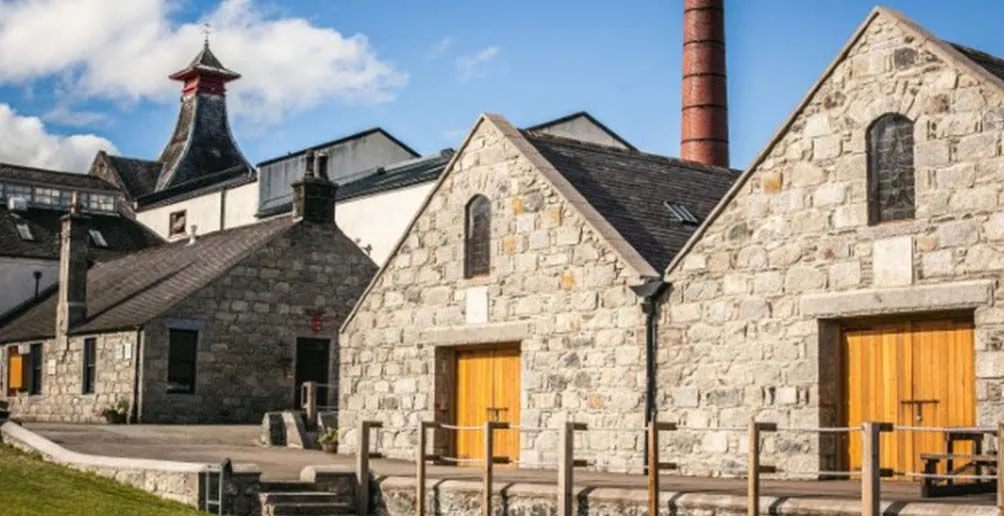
{"x": 50, "y": 366}
{"x": 477, "y": 305}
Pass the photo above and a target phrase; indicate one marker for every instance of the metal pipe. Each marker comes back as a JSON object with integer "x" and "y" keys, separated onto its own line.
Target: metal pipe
{"x": 650, "y": 291}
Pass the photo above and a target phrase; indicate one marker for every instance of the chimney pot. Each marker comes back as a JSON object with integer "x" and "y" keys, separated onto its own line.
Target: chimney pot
{"x": 314, "y": 199}
{"x": 321, "y": 165}
{"x": 704, "y": 131}
{"x": 192, "y": 232}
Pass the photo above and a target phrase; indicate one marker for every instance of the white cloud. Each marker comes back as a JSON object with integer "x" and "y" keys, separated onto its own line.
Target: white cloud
{"x": 66, "y": 115}
{"x": 440, "y": 48}
{"x": 475, "y": 65}
{"x": 124, "y": 50}
{"x": 25, "y": 140}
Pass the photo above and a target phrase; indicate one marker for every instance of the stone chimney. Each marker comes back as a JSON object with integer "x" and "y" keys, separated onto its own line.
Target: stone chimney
{"x": 313, "y": 196}
{"x": 704, "y": 132}
{"x": 71, "y": 307}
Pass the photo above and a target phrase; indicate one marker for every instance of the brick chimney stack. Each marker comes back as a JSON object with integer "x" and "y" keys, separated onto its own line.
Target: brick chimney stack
{"x": 704, "y": 135}
{"x": 71, "y": 307}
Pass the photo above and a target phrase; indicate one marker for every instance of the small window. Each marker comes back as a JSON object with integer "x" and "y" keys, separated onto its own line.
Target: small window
{"x": 681, "y": 212}
{"x": 90, "y": 355}
{"x": 177, "y": 221}
{"x": 890, "y": 169}
{"x": 35, "y": 382}
{"x": 97, "y": 238}
{"x": 21, "y": 191}
{"x": 478, "y": 237}
{"x": 24, "y": 231}
{"x": 183, "y": 348}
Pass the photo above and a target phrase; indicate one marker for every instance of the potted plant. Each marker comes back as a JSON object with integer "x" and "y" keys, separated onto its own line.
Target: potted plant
{"x": 117, "y": 413}
{"x": 329, "y": 441}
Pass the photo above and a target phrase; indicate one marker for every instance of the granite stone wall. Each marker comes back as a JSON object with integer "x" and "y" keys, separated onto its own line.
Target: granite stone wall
{"x": 554, "y": 287}
{"x": 248, "y": 322}
{"x": 61, "y": 397}
{"x": 751, "y": 327}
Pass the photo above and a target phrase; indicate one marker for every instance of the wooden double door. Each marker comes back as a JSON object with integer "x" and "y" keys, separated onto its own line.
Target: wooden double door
{"x": 487, "y": 389}
{"x": 909, "y": 373}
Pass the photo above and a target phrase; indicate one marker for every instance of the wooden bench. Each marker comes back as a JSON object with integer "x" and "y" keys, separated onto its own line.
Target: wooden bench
{"x": 975, "y": 465}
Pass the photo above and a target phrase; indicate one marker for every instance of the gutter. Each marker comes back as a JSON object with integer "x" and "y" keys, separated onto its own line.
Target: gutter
{"x": 651, "y": 292}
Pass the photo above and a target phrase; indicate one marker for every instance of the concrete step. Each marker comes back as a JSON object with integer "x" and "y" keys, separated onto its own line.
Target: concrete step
{"x": 288, "y": 486}
{"x": 275, "y": 498}
{"x": 308, "y": 509}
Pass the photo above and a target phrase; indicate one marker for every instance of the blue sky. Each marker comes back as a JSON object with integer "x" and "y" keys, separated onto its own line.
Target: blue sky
{"x": 434, "y": 65}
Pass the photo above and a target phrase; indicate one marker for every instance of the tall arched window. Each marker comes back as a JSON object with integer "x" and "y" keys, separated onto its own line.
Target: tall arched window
{"x": 478, "y": 237}
{"x": 890, "y": 169}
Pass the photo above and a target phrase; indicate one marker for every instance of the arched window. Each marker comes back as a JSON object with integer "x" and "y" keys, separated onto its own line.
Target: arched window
{"x": 477, "y": 237}
{"x": 890, "y": 169}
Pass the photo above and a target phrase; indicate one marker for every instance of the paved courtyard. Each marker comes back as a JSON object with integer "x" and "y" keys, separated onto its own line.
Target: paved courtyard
{"x": 214, "y": 443}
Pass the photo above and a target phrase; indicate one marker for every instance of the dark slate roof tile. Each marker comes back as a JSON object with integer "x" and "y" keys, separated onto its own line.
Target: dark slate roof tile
{"x": 132, "y": 290}
{"x": 52, "y": 178}
{"x": 138, "y": 175}
{"x": 122, "y": 234}
{"x": 992, "y": 64}
{"x": 629, "y": 189}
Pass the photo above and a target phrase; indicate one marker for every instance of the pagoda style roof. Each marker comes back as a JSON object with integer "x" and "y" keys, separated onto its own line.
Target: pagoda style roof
{"x": 205, "y": 63}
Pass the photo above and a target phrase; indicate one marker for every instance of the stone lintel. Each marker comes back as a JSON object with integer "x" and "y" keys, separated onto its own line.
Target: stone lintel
{"x": 476, "y": 334}
{"x": 920, "y": 298}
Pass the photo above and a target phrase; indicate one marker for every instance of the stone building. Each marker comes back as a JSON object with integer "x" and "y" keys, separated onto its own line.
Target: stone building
{"x": 510, "y": 295}
{"x": 853, "y": 271}
{"x": 216, "y": 328}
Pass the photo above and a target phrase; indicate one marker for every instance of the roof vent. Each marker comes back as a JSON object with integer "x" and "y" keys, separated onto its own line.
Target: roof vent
{"x": 24, "y": 231}
{"x": 681, "y": 212}
{"x": 17, "y": 204}
{"x": 191, "y": 234}
{"x": 446, "y": 153}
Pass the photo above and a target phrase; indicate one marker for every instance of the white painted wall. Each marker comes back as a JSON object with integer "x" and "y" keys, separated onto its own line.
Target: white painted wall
{"x": 237, "y": 207}
{"x": 380, "y": 219}
{"x": 17, "y": 284}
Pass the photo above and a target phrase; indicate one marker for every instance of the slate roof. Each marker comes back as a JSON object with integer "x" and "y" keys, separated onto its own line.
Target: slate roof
{"x": 41, "y": 177}
{"x": 139, "y": 176}
{"x": 992, "y": 64}
{"x": 206, "y": 61}
{"x": 382, "y": 179}
{"x": 130, "y": 291}
{"x": 122, "y": 234}
{"x": 336, "y": 141}
{"x": 629, "y": 189}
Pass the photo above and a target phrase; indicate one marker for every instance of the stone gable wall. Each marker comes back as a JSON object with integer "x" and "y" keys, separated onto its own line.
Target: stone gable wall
{"x": 61, "y": 398}
{"x": 734, "y": 338}
{"x": 250, "y": 319}
{"x": 582, "y": 354}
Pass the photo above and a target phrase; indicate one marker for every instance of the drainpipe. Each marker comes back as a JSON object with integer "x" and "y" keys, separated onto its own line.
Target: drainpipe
{"x": 650, "y": 291}
{"x": 137, "y": 378}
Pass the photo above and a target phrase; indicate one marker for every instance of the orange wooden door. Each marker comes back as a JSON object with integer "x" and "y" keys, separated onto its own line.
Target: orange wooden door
{"x": 909, "y": 374}
{"x": 487, "y": 388}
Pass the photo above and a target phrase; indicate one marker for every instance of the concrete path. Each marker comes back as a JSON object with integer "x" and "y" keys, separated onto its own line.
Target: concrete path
{"x": 212, "y": 443}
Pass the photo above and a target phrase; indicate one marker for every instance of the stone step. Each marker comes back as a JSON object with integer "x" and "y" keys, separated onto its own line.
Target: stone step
{"x": 307, "y": 509}
{"x": 288, "y": 486}
{"x": 275, "y": 498}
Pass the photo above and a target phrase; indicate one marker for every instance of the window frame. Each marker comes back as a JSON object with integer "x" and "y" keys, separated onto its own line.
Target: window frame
{"x": 183, "y": 214}
{"x": 477, "y": 241}
{"x": 876, "y": 213}
{"x": 36, "y": 368}
{"x": 89, "y": 360}
{"x": 174, "y": 361}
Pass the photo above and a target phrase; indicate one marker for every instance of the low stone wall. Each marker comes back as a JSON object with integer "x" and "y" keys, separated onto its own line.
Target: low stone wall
{"x": 396, "y": 497}
{"x": 179, "y": 481}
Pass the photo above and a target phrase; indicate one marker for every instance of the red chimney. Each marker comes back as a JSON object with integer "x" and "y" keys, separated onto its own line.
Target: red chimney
{"x": 704, "y": 135}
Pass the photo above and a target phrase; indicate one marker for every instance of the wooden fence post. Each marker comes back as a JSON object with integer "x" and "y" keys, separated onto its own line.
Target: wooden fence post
{"x": 753, "y": 465}
{"x": 489, "y": 460}
{"x": 420, "y": 458}
{"x": 363, "y": 467}
{"x": 871, "y": 467}
{"x": 310, "y": 404}
{"x": 1000, "y": 469}
{"x": 566, "y": 468}
{"x": 653, "y": 468}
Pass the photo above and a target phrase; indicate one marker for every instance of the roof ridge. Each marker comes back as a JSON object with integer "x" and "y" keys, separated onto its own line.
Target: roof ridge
{"x": 610, "y": 149}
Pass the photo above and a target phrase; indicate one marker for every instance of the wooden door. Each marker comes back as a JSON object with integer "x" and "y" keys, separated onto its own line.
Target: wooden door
{"x": 312, "y": 366}
{"x": 488, "y": 388}
{"x": 910, "y": 374}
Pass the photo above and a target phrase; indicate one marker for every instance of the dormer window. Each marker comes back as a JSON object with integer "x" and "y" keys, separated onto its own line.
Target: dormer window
{"x": 97, "y": 238}
{"x": 890, "y": 169}
{"x": 176, "y": 223}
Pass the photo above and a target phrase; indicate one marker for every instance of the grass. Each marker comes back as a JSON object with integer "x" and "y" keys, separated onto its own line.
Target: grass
{"x": 31, "y": 486}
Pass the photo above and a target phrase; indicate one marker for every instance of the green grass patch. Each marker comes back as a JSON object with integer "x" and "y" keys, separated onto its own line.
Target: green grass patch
{"x": 30, "y": 486}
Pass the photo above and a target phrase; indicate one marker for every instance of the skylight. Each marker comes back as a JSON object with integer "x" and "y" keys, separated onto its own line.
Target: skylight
{"x": 681, "y": 212}
{"x": 97, "y": 238}
{"x": 24, "y": 231}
